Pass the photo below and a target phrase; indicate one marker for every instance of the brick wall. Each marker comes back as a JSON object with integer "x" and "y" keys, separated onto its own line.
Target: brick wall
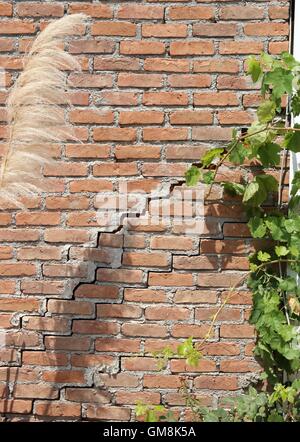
{"x": 86, "y": 299}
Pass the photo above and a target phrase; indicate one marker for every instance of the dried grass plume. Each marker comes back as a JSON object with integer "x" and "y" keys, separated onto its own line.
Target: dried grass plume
{"x": 36, "y": 117}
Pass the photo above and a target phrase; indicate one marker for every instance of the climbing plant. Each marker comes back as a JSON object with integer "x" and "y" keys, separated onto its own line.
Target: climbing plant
{"x": 273, "y": 270}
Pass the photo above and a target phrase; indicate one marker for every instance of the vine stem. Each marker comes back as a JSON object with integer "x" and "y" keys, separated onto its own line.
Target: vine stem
{"x": 229, "y": 296}
{"x": 238, "y": 140}
{"x": 243, "y": 137}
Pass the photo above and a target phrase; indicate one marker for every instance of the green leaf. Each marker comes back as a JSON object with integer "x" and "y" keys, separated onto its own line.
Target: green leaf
{"x": 254, "y": 68}
{"x": 280, "y": 81}
{"x": 266, "y": 111}
{"x": 263, "y": 256}
{"x": 268, "y": 181}
{"x": 257, "y": 134}
{"x": 233, "y": 188}
{"x": 208, "y": 177}
{"x": 288, "y": 284}
{"x": 276, "y": 227}
{"x": 295, "y": 104}
{"x": 269, "y": 154}
{"x": 192, "y": 176}
{"x": 295, "y": 183}
{"x": 257, "y": 227}
{"x": 211, "y": 155}
{"x": 281, "y": 251}
{"x": 251, "y": 190}
{"x": 267, "y": 60}
{"x": 238, "y": 154}
{"x": 292, "y": 139}
{"x": 289, "y": 60}
{"x": 257, "y": 191}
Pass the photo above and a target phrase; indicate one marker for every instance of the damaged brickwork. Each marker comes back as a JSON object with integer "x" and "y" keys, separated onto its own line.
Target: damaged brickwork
{"x": 87, "y": 294}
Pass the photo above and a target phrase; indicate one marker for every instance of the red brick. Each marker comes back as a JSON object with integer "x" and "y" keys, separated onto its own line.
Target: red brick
{"x": 211, "y": 133}
{"x": 135, "y": 11}
{"x": 215, "y": 99}
{"x": 187, "y": 330}
{"x": 139, "y": 152}
{"x": 214, "y": 30}
{"x": 165, "y": 134}
{"x": 279, "y": 12}
{"x": 165, "y": 99}
{"x": 235, "y": 117}
{"x": 130, "y": 397}
{"x": 6, "y": 9}
{"x": 108, "y": 413}
{"x": 118, "y": 311}
{"x": 114, "y": 134}
{"x": 166, "y": 65}
{"x": 195, "y": 297}
{"x": 66, "y": 169}
{"x": 117, "y": 345}
{"x": 68, "y": 343}
{"x": 224, "y": 279}
{"x": 192, "y": 80}
{"x": 191, "y": 13}
{"x": 17, "y": 269}
{"x": 34, "y": 9}
{"x": 241, "y": 47}
{"x": 226, "y": 314}
{"x": 142, "y": 330}
{"x": 17, "y": 27}
{"x": 116, "y": 169}
{"x": 95, "y": 327}
{"x": 200, "y": 47}
{"x": 90, "y": 80}
{"x": 117, "y": 98}
{"x": 144, "y": 295}
{"x": 181, "y": 366}
{"x": 124, "y": 29}
{"x": 237, "y": 331}
{"x": 140, "y": 259}
{"x": 38, "y": 218}
{"x": 140, "y": 80}
{"x": 216, "y": 382}
{"x": 122, "y": 275}
{"x": 45, "y": 324}
{"x": 91, "y": 360}
{"x": 90, "y": 185}
{"x": 244, "y": 366}
{"x": 44, "y": 358}
{"x": 141, "y": 47}
{"x": 94, "y": 10}
{"x": 268, "y": 29}
{"x": 97, "y": 291}
{"x": 217, "y": 65}
{"x": 195, "y": 262}
{"x": 191, "y": 117}
{"x": 139, "y": 364}
{"x": 57, "y": 409}
{"x": 170, "y": 279}
{"x": 35, "y": 391}
{"x": 277, "y": 47}
{"x": 66, "y": 236}
{"x": 241, "y": 13}
{"x": 167, "y": 313}
{"x": 161, "y": 381}
{"x": 164, "y": 30}
{"x": 88, "y": 395}
{"x": 15, "y": 406}
{"x": 116, "y": 64}
{"x": 90, "y": 47}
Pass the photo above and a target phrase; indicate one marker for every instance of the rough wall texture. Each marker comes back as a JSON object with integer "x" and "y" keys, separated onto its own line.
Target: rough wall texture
{"x": 86, "y": 299}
